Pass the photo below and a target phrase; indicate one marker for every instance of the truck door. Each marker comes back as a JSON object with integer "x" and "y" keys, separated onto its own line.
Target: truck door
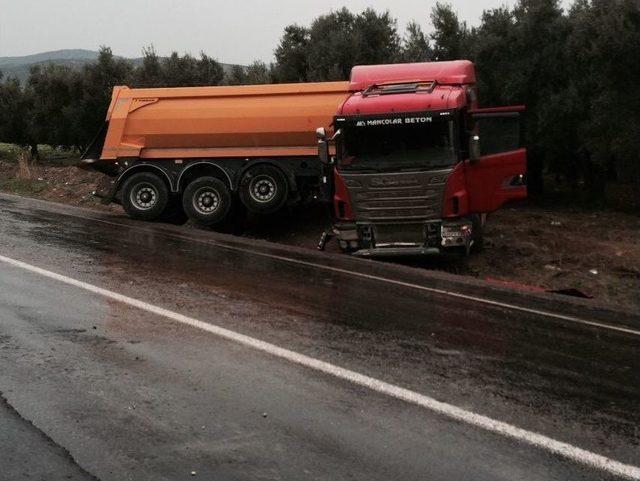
{"x": 496, "y": 175}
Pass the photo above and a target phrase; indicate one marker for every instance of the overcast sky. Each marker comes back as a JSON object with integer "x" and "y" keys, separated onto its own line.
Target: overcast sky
{"x": 233, "y": 31}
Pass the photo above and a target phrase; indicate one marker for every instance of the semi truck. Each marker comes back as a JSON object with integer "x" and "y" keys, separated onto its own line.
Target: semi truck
{"x": 410, "y": 163}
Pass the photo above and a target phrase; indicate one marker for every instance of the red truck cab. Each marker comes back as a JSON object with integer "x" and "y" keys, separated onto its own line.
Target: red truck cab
{"x": 417, "y": 163}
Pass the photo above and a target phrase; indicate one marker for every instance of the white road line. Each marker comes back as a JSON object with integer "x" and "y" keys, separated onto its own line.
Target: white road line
{"x": 433, "y": 290}
{"x": 559, "y": 448}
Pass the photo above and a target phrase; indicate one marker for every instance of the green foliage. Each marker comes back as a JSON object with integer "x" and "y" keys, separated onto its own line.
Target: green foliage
{"x": 375, "y": 38}
{"x": 52, "y": 92}
{"x": 604, "y": 50}
{"x": 65, "y": 108}
{"x": 450, "y": 35}
{"x": 520, "y": 54}
{"x": 341, "y": 39}
{"x": 255, "y": 74}
{"x": 330, "y": 56}
{"x": 15, "y": 109}
{"x": 415, "y": 45}
{"x": 53, "y": 155}
{"x": 87, "y": 111}
{"x": 494, "y": 52}
{"x": 258, "y": 73}
{"x": 150, "y": 73}
{"x": 574, "y": 72}
{"x": 292, "y": 55}
{"x": 10, "y": 152}
{"x": 176, "y": 70}
{"x": 236, "y": 76}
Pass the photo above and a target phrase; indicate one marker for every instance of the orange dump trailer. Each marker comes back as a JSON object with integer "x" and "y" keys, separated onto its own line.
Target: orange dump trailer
{"x": 204, "y": 146}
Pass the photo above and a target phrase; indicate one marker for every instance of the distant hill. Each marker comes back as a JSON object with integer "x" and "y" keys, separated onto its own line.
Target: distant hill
{"x": 19, "y": 67}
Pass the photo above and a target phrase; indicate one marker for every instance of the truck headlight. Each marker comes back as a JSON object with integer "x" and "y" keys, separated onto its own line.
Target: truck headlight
{"x": 455, "y": 234}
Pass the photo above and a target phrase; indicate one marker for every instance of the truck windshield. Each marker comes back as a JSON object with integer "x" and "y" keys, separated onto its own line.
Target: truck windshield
{"x": 397, "y": 147}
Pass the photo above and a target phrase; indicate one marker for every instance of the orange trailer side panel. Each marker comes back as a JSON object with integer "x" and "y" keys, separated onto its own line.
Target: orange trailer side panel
{"x": 246, "y": 121}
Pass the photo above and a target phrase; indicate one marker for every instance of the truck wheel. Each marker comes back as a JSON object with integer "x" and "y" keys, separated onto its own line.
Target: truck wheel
{"x": 144, "y": 196}
{"x": 263, "y": 189}
{"x": 207, "y": 201}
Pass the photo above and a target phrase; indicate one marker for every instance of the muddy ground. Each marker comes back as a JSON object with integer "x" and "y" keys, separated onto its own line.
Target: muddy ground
{"x": 595, "y": 253}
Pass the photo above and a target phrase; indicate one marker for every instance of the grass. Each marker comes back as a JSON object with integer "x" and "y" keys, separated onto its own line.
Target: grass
{"x": 10, "y": 152}
{"x": 52, "y": 155}
{"x": 30, "y": 188}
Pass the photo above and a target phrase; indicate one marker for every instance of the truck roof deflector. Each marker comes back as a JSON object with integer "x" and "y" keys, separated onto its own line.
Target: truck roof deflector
{"x": 408, "y": 86}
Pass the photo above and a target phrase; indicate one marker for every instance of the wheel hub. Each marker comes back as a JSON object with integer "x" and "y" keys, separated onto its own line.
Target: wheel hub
{"x": 264, "y": 189}
{"x": 206, "y": 201}
{"x": 144, "y": 197}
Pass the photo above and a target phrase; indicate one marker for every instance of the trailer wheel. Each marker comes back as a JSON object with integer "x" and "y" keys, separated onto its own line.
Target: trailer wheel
{"x": 144, "y": 196}
{"x": 207, "y": 201}
{"x": 263, "y": 189}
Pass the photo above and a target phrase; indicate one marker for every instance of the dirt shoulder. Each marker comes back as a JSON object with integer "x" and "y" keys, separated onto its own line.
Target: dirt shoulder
{"x": 527, "y": 247}
{"x": 66, "y": 184}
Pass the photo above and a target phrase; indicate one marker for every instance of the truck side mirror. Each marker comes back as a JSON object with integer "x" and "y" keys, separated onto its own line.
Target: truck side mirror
{"x": 474, "y": 149}
{"x": 323, "y": 152}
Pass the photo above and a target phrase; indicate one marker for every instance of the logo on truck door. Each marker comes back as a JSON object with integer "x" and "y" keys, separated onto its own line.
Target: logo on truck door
{"x": 396, "y": 121}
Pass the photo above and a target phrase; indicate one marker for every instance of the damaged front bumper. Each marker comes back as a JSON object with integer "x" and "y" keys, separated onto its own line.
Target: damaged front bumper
{"x": 405, "y": 239}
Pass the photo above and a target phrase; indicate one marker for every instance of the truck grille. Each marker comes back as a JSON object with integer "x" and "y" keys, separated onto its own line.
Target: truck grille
{"x": 397, "y": 196}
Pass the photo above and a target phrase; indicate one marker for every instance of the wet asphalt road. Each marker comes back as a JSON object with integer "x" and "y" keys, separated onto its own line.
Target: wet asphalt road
{"x": 94, "y": 388}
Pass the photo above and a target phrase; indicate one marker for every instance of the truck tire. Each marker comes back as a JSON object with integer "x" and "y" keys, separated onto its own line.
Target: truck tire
{"x": 144, "y": 196}
{"x": 263, "y": 189}
{"x": 207, "y": 201}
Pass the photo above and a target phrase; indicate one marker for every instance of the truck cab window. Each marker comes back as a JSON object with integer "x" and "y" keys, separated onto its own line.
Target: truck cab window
{"x": 390, "y": 147}
{"x": 499, "y": 133}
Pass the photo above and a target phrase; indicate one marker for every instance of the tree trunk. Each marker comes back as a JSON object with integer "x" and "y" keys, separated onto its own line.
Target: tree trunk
{"x": 24, "y": 166}
{"x": 35, "y": 155}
